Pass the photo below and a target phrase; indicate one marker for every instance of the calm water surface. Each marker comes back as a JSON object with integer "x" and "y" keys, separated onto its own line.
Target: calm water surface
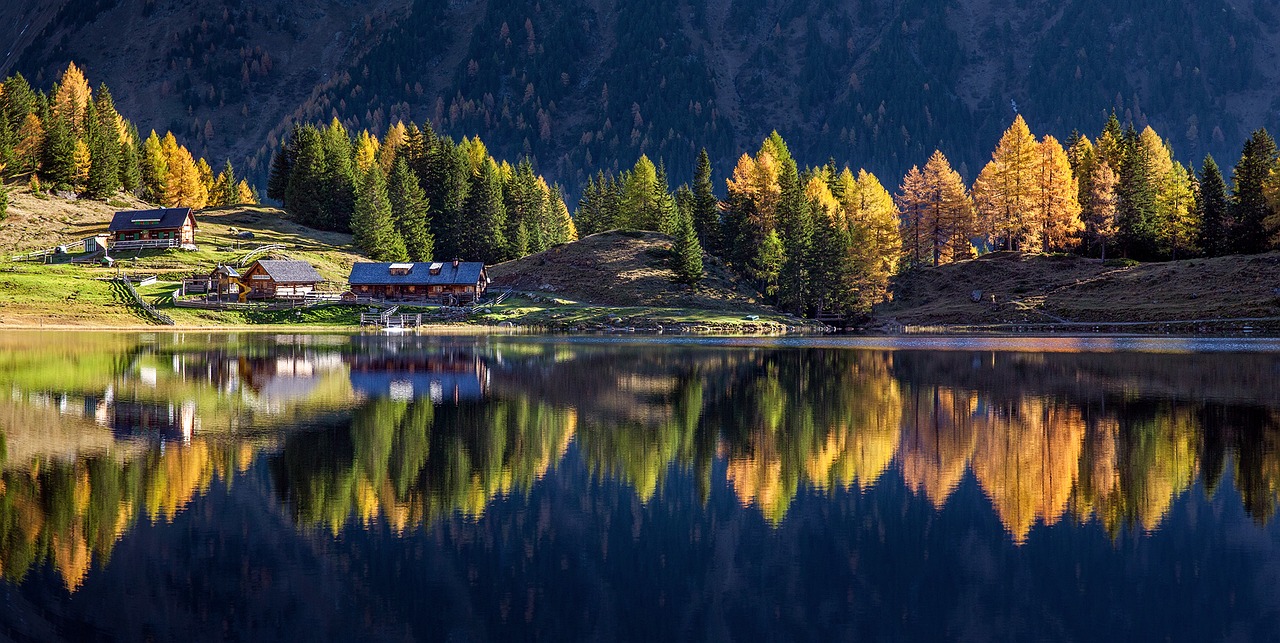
{"x": 309, "y": 487}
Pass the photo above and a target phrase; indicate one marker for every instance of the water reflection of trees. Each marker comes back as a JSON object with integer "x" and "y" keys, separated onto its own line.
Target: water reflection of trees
{"x": 1111, "y": 438}
{"x": 71, "y": 513}
{"x": 411, "y": 461}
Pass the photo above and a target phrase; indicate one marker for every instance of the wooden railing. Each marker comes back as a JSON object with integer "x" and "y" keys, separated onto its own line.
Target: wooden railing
{"x": 146, "y": 307}
{"x": 145, "y": 244}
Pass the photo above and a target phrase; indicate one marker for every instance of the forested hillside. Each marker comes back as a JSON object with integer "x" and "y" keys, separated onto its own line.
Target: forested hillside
{"x": 586, "y": 85}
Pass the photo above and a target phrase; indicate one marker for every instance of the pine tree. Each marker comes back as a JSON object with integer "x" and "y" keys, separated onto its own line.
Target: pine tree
{"x": 590, "y": 214}
{"x": 668, "y": 217}
{"x": 104, "y": 134}
{"x": 1136, "y": 207}
{"x": 795, "y": 227}
{"x": 445, "y": 183}
{"x": 486, "y": 214}
{"x": 281, "y": 168}
{"x": 4, "y": 202}
{"x": 561, "y": 228}
{"x": 1248, "y": 200}
{"x": 130, "y": 165}
{"x": 687, "y": 251}
{"x": 304, "y": 196}
{"x": 338, "y": 181}
{"x": 706, "y": 208}
{"x": 153, "y": 170}
{"x": 225, "y": 190}
{"x": 372, "y": 229}
{"x": 410, "y": 211}
{"x": 1100, "y": 220}
{"x": 1212, "y": 209}
{"x": 58, "y": 166}
{"x": 834, "y": 273}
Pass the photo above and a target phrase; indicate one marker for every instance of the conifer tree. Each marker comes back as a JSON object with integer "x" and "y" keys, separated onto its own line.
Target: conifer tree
{"x": 561, "y": 228}
{"x": 246, "y": 194}
{"x": 640, "y": 197}
{"x": 58, "y": 166}
{"x": 706, "y": 208}
{"x": 28, "y": 151}
{"x": 389, "y": 151}
{"x": 687, "y": 251}
{"x": 445, "y": 183}
{"x": 1212, "y": 209}
{"x": 304, "y": 196}
{"x": 282, "y": 168}
{"x": 372, "y": 229}
{"x": 1057, "y": 204}
{"x": 1248, "y": 200}
{"x": 366, "y": 151}
{"x": 834, "y": 272}
{"x": 948, "y": 212}
{"x": 410, "y": 211}
{"x": 4, "y": 202}
{"x": 795, "y": 227}
{"x": 225, "y": 190}
{"x": 590, "y": 214}
{"x": 913, "y": 202}
{"x": 103, "y": 135}
{"x": 338, "y": 181}
{"x": 668, "y": 217}
{"x": 871, "y": 218}
{"x": 70, "y": 100}
{"x": 486, "y": 214}
{"x": 1136, "y": 206}
{"x": 153, "y": 169}
{"x": 183, "y": 185}
{"x": 1175, "y": 205}
{"x": 130, "y": 164}
{"x": 1005, "y": 189}
{"x": 1100, "y": 218}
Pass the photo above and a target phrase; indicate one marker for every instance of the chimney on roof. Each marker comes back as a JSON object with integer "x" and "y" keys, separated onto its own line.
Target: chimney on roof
{"x": 456, "y": 262}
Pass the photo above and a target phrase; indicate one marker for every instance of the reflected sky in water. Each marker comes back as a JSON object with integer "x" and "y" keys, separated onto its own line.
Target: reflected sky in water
{"x": 337, "y": 488}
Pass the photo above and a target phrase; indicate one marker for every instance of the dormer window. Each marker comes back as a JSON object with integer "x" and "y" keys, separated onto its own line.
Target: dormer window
{"x": 435, "y": 268}
{"x": 401, "y": 268}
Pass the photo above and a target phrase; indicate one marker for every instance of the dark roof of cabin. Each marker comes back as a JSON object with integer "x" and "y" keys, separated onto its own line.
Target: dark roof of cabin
{"x": 163, "y": 218}
{"x": 226, "y": 270}
{"x": 290, "y": 272}
{"x": 371, "y": 274}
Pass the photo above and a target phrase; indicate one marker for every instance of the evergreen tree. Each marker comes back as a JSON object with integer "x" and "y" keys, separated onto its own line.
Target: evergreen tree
{"x": 1212, "y": 209}
{"x": 668, "y": 217}
{"x": 339, "y": 178}
{"x": 687, "y": 251}
{"x": 58, "y": 166}
{"x": 130, "y": 168}
{"x": 225, "y": 188}
{"x": 304, "y": 196}
{"x": 834, "y": 272}
{"x": 372, "y": 229}
{"x": 1248, "y": 199}
{"x": 103, "y": 127}
{"x": 641, "y": 197}
{"x": 590, "y": 214}
{"x": 282, "y": 168}
{"x": 706, "y": 208}
{"x": 410, "y": 211}
{"x": 1175, "y": 204}
{"x": 487, "y": 215}
{"x": 4, "y": 202}
{"x": 561, "y": 228}
{"x": 1136, "y": 205}
{"x": 445, "y": 183}
{"x": 795, "y": 227}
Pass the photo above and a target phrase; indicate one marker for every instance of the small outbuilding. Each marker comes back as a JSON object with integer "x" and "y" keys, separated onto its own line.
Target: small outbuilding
{"x": 277, "y": 278}
{"x": 161, "y": 228}
{"x": 454, "y": 282}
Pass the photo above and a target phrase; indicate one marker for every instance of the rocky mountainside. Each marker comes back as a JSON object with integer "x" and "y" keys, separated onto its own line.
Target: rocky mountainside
{"x": 584, "y": 85}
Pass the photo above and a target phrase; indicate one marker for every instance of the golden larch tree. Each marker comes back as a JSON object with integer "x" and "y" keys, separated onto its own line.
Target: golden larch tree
{"x": 948, "y": 212}
{"x": 1100, "y": 216}
{"x": 1057, "y": 207}
{"x": 182, "y": 184}
{"x": 1006, "y": 188}
{"x": 366, "y": 151}
{"x": 912, "y": 202}
{"x": 72, "y": 98}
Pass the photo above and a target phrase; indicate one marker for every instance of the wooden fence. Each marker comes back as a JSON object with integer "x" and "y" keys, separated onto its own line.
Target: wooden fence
{"x": 146, "y": 307}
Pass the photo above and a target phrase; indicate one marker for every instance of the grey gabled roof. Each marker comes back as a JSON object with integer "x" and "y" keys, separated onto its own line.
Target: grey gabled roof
{"x": 290, "y": 272}
{"x": 163, "y": 218}
{"x": 375, "y": 274}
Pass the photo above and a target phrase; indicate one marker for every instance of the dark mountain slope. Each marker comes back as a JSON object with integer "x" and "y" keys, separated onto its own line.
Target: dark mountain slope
{"x": 582, "y": 85}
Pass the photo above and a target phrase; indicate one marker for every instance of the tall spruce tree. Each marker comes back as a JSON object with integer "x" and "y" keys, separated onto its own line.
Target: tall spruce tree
{"x": 687, "y": 251}
{"x": 445, "y": 183}
{"x": 1248, "y": 199}
{"x": 795, "y": 227}
{"x": 282, "y": 168}
{"x": 59, "y": 163}
{"x": 1212, "y": 209}
{"x": 104, "y": 155}
{"x": 1136, "y": 204}
{"x": 410, "y": 211}
{"x": 338, "y": 179}
{"x": 305, "y": 197}
{"x": 372, "y": 229}
{"x": 486, "y": 215}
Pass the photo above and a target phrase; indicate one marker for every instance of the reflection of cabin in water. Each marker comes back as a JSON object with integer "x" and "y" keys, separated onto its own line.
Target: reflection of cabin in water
{"x": 455, "y": 282}
{"x": 167, "y": 422}
{"x": 441, "y": 377}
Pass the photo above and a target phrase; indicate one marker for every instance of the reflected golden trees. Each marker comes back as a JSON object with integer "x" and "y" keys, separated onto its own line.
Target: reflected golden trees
{"x": 72, "y": 513}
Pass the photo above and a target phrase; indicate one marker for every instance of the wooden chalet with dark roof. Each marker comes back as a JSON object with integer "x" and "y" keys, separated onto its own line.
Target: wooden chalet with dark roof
{"x": 275, "y": 278}
{"x": 161, "y": 228}
{"x": 454, "y": 282}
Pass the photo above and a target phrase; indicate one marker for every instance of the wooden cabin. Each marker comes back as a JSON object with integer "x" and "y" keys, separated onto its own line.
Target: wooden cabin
{"x": 162, "y": 228}
{"x": 275, "y": 279}
{"x": 455, "y": 282}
